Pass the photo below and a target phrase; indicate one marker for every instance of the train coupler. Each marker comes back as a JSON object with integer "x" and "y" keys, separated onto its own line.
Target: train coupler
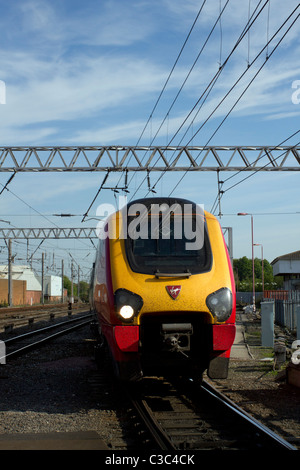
{"x": 176, "y": 336}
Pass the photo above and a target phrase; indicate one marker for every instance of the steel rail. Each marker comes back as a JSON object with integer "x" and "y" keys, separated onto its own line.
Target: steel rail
{"x": 46, "y": 328}
{"x": 153, "y": 426}
{"x": 263, "y": 436}
{"x": 16, "y": 320}
{"x": 261, "y": 428}
{"x": 45, "y": 340}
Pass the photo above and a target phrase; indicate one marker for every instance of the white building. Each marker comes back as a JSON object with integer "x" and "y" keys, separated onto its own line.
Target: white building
{"x": 52, "y": 286}
{"x": 288, "y": 266}
{"x": 22, "y": 273}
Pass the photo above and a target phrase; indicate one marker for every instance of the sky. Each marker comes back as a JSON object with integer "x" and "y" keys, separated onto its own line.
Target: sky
{"x": 92, "y": 73}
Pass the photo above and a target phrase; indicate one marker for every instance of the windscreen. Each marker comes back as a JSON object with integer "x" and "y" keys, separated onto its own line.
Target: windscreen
{"x": 168, "y": 236}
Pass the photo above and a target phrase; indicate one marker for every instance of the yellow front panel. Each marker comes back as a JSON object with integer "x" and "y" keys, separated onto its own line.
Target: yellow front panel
{"x": 194, "y": 290}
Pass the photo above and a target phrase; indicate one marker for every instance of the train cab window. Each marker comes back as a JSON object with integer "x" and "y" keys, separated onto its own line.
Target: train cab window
{"x": 167, "y": 252}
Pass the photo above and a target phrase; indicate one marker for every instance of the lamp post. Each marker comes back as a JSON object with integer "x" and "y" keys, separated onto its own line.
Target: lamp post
{"x": 252, "y": 247}
{"x": 262, "y": 266}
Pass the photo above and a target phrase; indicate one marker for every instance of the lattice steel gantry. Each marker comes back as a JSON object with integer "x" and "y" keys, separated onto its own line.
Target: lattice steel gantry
{"x": 149, "y": 158}
{"x": 48, "y": 233}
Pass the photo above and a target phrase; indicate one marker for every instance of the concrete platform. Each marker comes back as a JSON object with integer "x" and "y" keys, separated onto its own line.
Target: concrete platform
{"x": 89, "y": 440}
{"x": 239, "y": 348}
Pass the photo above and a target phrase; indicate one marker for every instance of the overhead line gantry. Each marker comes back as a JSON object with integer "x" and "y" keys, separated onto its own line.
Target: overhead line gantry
{"x": 118, "y": 158}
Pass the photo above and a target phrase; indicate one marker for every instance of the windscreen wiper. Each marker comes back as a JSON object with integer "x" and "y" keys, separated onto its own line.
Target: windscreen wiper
{"x": 185, "y": 274}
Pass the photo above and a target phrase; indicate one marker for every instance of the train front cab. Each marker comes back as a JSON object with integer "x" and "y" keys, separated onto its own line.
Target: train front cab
{"x": 169, "y": 334}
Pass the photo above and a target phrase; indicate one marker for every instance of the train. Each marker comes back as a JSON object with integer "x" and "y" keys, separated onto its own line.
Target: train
{"x": 163, "y": 291}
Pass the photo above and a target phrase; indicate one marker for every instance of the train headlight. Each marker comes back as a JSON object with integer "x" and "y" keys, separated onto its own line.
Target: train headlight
{"x": 126, "y": 312}
{"x": 127, "y": 304}
{"x": 220, "y": 304}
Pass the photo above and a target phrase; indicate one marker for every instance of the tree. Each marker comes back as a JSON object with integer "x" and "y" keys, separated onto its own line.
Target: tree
{"x": 67, "y": 285}
{"x": 83, "y": 289}
{"x": 242, "y": 268}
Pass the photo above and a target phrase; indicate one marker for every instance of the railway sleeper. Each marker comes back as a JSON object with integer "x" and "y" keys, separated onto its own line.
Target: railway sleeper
{"x": 8, "y": 328}
{"x": 207, "y": 445}
{"x": 191, "y": 423}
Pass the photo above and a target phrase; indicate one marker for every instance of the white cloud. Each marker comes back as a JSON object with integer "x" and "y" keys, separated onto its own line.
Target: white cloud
{"x": 107, "y": 93}
{"x": 48, "y": 92}
{"x": 105, "y": 23}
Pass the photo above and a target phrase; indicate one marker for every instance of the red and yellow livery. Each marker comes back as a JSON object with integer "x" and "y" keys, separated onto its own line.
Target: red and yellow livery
{"x": 165, "y": 301}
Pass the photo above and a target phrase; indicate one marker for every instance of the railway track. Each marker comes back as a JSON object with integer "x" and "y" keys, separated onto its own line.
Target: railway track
{"x": 22, "y": 343}
{"x": 181, "y": 416}
{"x": 16, "y": 317}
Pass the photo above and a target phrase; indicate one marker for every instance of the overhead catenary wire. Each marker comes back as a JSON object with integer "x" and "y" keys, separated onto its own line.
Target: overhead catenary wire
{"x": 101, "y": 186}
{"x": 172, "y": 70}
{"x": 185, "y": 80}
{"x": 31, "y": 208}
{"x": 263, "y": 155}
{"x": 259, "y": 169}
{"x": 255, "y": 171}
{"x": 220, "y": 193}
{"x": 220, "y": 70}
{"x": 215, "y": 77}
{"x": 242, "y": 75}
{"x": 213, "y": 81}
{"x": 268, "y": 27}
{"x": 156, "y": 103}
{"x": 35, "y": 210}
{"x": 221, "y": 32}
{"x": 249, "y": 84}
{"x": 248, "y": 59}
{"x": 169, "y": 77}
{"x": 190, "y": 71}
{"x": 245, "y": 30}
{"x": 7, "y": 183}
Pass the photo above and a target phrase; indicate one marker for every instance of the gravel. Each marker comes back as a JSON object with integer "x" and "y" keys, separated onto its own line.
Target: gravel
{"x": 59, "y": 388}
{"x": 260, "y": 388}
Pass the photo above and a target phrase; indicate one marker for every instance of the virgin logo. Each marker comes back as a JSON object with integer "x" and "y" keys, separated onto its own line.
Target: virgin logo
{"x": 173, "y": 291}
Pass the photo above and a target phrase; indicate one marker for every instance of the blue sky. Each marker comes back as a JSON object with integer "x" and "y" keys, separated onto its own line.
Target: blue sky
{"x": 89, "y": 73}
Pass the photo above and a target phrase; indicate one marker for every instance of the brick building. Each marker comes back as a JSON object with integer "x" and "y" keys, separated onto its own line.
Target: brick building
{"x": 19, "y": 292}
{"x": 26, "y": 285}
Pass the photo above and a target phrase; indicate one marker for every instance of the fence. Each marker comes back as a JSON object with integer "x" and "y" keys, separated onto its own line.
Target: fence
{"x": 286, "y": 310}
{"x": 285, "y": 303}
{"x": 247, "y": 297}
{"x": 276, "y": 294}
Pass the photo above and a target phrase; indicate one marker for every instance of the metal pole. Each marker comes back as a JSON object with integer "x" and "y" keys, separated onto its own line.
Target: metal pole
{"x": 298, "y": 321}
{"x": 72, "y": 291}
{"x": 10, "y": 284}
{"x": 253, "y": 274}
{"x": 262, "y": 269}
{"x": 62, "y": 281}
{"x": 78, "y": 288}
{"x": 43, "y": 298}
{"x": 267, "y": 324}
